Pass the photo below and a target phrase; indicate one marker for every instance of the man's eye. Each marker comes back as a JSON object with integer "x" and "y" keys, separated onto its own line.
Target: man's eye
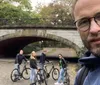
{"x": 83, "y": 23}
{"x": 97, "y": 17}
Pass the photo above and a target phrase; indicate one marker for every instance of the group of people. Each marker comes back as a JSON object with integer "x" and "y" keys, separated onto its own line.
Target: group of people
{"x": 34, "y": 67}
{"x": 86, "y": 14}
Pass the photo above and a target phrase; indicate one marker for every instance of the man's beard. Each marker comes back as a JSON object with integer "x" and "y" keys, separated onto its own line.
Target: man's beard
{"x": 95, "y": 50}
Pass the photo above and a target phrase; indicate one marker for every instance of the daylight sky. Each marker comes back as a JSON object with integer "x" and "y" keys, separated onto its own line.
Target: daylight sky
{"x": 35, "y": 2}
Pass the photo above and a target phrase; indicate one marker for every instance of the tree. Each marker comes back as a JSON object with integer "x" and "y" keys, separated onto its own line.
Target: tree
{"x": 57, "y": 13}
{"x": 22, "y": 4}
{"x": 10, "y": 13}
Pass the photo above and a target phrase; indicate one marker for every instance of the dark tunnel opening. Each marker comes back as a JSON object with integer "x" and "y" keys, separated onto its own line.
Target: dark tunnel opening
{"x": 10, "y": 47}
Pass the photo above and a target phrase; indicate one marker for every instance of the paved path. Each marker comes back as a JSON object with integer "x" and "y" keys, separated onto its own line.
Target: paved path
{"x": 6, "y": 66}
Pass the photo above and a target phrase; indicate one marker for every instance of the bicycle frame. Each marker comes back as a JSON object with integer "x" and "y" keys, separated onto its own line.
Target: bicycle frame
{"x": 41, "y": 78}
{"x": 24, "y": 67}
{"x": 16, "y": 74}
{"x": 50, "y": 69}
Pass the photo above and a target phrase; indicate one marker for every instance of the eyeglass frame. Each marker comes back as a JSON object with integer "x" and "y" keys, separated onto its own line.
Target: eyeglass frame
{"x": 95, "y": 17}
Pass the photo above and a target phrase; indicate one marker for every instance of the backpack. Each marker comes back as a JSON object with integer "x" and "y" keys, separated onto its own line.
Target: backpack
{"x": 82, "y": 75}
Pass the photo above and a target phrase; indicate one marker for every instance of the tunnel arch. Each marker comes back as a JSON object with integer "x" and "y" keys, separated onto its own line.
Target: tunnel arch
{"x": 10, "y": 44}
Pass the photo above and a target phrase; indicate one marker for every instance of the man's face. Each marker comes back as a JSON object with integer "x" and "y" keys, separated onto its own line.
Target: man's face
{"x": 44, "y": 51}
{"x": 21, "y": 51}
{"x": 90, "y": 37}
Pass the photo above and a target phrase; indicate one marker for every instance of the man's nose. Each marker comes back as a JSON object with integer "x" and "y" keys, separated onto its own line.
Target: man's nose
{"x": 94, "y": 27}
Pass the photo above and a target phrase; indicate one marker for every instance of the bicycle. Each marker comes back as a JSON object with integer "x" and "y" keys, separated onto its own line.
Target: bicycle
{"x": 66, "y": 77}
{"x": 55, "y": 72}
{"x": 25, "y": 74}
{"x": 40, "y": 78}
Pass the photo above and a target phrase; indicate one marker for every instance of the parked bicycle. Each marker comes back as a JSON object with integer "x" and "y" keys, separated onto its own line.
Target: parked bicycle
{"x": 41, "y": 78}
{"x": 16, "y": 75}
{"x": 54, "y": 71}
{"x": 66, "y": 77}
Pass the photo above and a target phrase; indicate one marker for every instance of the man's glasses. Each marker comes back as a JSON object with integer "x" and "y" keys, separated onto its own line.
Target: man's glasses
{"x": 84, "y": 23}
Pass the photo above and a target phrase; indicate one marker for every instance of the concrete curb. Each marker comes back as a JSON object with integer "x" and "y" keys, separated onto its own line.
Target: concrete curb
{"x": 7, "y": 60}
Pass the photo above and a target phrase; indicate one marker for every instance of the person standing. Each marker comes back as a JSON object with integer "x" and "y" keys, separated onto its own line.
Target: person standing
{"x": 62, "y": 64}
{"x": 43, "y": 59}
{"x": 34, "y": 68}
{"x": 87, "y": 20}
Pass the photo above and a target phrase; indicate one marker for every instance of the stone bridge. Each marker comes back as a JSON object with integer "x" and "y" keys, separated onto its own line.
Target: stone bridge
{"x": 11, "y": 40}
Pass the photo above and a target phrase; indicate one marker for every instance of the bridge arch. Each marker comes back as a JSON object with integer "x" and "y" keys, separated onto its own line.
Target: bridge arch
{"x": 10, "y": 44}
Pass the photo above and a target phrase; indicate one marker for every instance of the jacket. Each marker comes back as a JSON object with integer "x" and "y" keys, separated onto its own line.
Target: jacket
{"x": 43, "y": 58}
{"x": 33, "y": 63}
{"x": 19, "y": 59}
{"x": 93, "y": 63}
{"x": 62, "y": 63}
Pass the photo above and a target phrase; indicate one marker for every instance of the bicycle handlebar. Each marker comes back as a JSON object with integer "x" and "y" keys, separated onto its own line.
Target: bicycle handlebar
{"x": 26, "y": 63}
{"x": 50, "y": 62}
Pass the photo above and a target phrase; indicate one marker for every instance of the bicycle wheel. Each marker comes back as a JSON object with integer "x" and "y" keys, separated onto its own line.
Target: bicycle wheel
{"x": 66, "y": 79}
{"x": 14, "y": 75}
{"x": 55, "y": 73}
{"x": 26, "y": 73}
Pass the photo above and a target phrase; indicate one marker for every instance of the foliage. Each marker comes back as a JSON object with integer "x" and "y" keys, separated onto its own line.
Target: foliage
{"x": 22, "y": 4}
{"x": 57, "y": 13}
{"x": 12, "y": 14}
{"x": 20, "y": 12}
{"x": 10, "y": 11}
